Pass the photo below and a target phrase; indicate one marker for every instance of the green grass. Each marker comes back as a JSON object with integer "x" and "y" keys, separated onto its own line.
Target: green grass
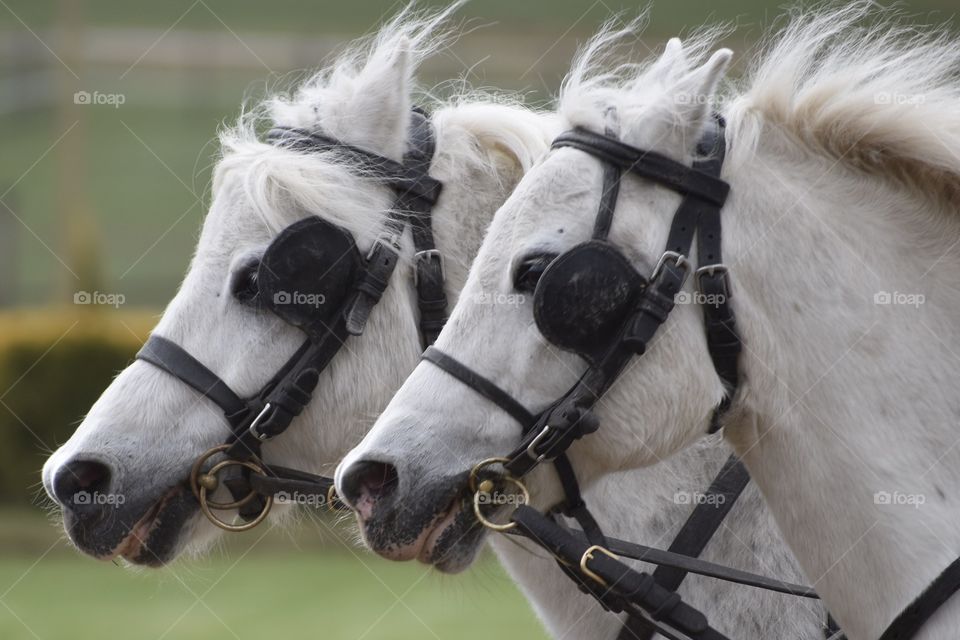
{"x": 257, "y": 589}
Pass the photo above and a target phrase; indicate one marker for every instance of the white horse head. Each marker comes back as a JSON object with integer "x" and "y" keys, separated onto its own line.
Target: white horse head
{"x": 553, "y": 208}
{"x": 140, "y": 438}
{"x": 841, "y": 235}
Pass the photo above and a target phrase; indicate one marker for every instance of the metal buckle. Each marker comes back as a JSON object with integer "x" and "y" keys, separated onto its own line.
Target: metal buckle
{"x": 587, "y": 556}
{"x": 532, "y": 447}
{"x": 262, "y": 437}
{"x": 387, "y": 239}
{"x": 427, "y": 254}
{"x": 711, "y": 269}
{"x": 678, "y": 259}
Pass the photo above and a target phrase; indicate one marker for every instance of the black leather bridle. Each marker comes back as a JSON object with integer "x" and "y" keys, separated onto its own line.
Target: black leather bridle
{"x": 650, "y": 601}
{"x": 267, "y": 414}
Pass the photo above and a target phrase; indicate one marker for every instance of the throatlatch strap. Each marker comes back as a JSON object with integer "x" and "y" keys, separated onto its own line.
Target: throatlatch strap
{"x": 480, "y": 384}
{"x": 912, "y": 619}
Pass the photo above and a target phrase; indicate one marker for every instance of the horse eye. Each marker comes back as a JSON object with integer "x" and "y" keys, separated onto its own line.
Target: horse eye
{"x": 243, "y": 281}
{"x": 529, "y": 271}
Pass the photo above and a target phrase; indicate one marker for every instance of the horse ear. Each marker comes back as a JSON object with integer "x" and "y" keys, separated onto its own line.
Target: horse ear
{"x": 672, "y": 62}
{"x": 693, "y": 96}
{"x": 379, "y": 111}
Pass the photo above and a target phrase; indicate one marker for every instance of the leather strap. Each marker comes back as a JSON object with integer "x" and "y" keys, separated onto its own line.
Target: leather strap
{"x": 697, "y": 531}
{"x": 396, "y": 175}
{"x": 480, "y": 384}
{"x": 911, "y": 619}
{"x": 173, "y": 359}
{"x": 625, "y": 588}
{"x": 683, "y": 179}
{"x": 428, "y": 263}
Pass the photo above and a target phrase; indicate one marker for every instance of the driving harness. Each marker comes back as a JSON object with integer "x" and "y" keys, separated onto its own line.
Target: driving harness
{"x": 592, "y": 301}
{"x": 313, "y": 277}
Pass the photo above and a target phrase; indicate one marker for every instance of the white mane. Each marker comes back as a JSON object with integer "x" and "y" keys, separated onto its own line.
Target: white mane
{"x": 851, "y": 81}
{"x": 276, "y": 181}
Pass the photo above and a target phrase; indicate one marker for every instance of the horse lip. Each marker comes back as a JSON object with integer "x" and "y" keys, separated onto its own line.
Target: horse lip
{"x": 447, "y": 519}
{"x": 132, "y": 544}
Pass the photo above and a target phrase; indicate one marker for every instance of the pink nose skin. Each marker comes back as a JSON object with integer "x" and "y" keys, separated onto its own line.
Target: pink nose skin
{"x": 367, "y": 482}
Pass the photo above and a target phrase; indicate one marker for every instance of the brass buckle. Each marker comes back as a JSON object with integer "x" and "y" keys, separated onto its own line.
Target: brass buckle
{"x": 587, "y": 556}
{"x": 203, "y": 483}
{"x": 487, "y": 486}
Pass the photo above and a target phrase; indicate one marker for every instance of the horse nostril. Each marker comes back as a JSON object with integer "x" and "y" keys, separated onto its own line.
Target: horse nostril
{"x": 367, "y": 481}
{"x": 79, "y": 482}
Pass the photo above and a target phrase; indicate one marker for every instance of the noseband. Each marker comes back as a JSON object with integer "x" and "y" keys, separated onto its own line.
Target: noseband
{"x": 351, "y": 285}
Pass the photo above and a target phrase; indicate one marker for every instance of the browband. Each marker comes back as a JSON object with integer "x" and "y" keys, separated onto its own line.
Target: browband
{"x": 411, "y": 181}
{"x": 684, "y": 179}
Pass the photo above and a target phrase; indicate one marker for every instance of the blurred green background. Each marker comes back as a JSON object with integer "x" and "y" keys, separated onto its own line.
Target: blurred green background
{"x": 109, "y": 198}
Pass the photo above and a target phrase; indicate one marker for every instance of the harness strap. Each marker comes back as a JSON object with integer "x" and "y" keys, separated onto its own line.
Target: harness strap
{"x": 697, "y": 531}
{"x": 624, "y": 588}
{"x": 915, "y": 615}
{"x": 684, "y": 179}
{"x": 428, "y": 265}
{"x": 175, "y": 360}
{"x": 481, "y": 385}
{"x": 671, "y": 559}
{"x": 398, "y": 176}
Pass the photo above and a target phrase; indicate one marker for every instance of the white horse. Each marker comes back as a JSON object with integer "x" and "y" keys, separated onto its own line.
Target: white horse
{"x": 143, "y": 434}
{"x": 435, "y": 429}
{"x": 841, "y": 234}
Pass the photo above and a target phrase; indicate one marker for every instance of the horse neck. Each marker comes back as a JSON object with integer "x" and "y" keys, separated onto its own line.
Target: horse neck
{"x": 848, "y": 399}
